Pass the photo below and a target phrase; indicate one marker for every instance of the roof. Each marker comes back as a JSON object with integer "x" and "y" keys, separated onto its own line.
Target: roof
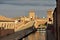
{"x": 5, "y": 19}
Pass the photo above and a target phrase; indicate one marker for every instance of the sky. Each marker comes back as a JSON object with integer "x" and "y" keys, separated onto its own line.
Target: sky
{"x": 17, "y": 8}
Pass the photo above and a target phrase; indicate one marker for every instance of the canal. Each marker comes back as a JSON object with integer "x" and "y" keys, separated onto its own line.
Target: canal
{"x": 38, "y": 35}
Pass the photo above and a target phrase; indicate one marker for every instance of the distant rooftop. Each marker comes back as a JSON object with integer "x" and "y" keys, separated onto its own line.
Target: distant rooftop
{"x": 4, "y": 19}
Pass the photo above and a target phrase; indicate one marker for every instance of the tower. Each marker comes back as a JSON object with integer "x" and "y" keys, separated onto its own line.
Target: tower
{"x": 32, "y": 14}
{"x": 50, "y": 16}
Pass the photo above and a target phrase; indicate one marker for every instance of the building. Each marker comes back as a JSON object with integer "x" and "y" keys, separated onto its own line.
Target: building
{"x": 7, "y": 26}
{"x": 50, "y": 16}
{"x": 7, "y": 23}
{"x": 18, "y": 23}
{"x": 32, "y": 15}
{"x": 57, "y": 20}
{"x": 38, "y": 21}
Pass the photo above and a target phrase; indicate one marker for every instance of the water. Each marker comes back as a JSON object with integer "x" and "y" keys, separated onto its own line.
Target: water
{"x": 39, "y": 35}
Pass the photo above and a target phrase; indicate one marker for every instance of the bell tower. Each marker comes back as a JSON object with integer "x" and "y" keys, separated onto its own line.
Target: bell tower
{"x": 32, "y": 14}
{"x": 50, "y": 16}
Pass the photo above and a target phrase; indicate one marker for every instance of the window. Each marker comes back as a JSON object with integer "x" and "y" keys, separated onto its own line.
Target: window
{"x": 50, "y": 19}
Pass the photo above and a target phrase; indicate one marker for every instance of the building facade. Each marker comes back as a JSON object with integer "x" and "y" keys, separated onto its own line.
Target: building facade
{"x": 50, "y": 16}
{"x": 57, "y": 20}
{"x": 6, "y": 23}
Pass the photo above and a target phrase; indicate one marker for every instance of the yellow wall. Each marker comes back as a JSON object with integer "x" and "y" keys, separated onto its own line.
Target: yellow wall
{"x": 50, "y": 15}
{"x": 32, "y": 15}
{"x": 7, "y": 25}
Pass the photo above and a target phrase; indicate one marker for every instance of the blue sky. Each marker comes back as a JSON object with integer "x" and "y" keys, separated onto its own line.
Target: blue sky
{"x": 13, "y": 8}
